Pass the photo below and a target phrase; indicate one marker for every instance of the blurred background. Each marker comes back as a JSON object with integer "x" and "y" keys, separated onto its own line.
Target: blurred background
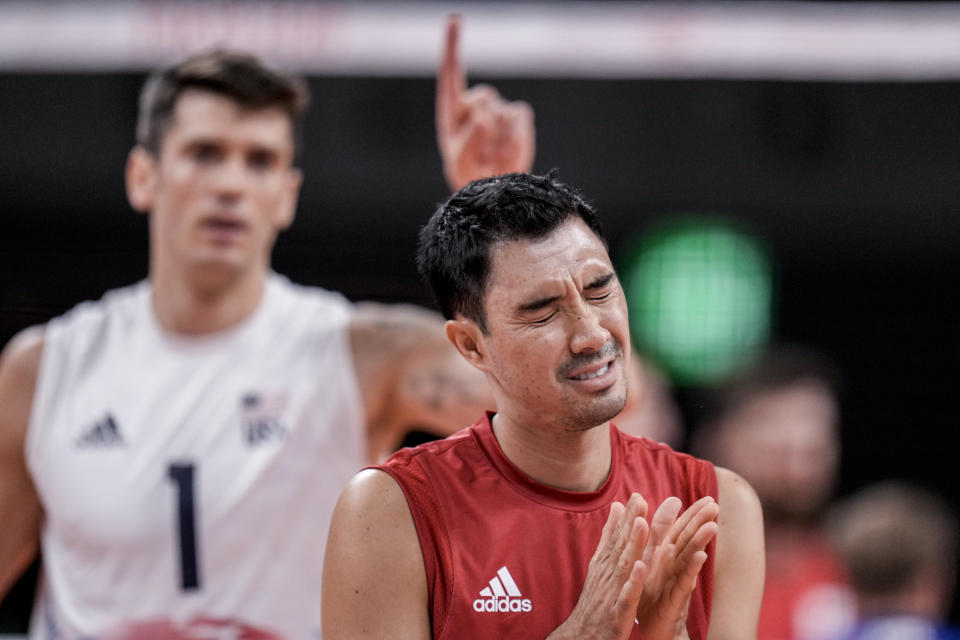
{"x": 770, "y": 172}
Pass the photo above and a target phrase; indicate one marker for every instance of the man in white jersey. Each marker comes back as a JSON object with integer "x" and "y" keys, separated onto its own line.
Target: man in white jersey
{"x": 177, "y": 447}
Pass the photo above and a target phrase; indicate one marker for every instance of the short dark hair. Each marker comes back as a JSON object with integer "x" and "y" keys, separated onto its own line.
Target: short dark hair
{"x": 454, "y": 250}
{"x": 235, "y": 75}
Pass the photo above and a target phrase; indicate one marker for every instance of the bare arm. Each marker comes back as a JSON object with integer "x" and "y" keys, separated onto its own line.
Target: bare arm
{"x": 479, "y": 133}
{"x": 739, "y": 565}
{"x": 411, "y": 377}
{"x": 20, "y": 509}
{"x": 374, "y": 581}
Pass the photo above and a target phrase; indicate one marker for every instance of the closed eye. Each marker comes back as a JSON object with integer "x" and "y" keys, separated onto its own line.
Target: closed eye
{"x": 545, "y": 319}
{"x": 601, "y": 288}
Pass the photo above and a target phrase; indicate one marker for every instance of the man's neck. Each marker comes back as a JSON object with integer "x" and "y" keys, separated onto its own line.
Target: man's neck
{"x": 575, "y": 460}
{"x": 197, "y": 306}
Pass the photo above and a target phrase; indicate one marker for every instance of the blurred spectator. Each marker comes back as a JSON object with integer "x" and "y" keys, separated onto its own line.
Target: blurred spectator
{"x": 899, "y": 545}
{"x": 775, "y": 422}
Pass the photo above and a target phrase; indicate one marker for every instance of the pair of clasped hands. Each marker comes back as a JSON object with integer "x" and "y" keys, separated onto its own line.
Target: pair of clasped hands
{"x": 643, "y": 571}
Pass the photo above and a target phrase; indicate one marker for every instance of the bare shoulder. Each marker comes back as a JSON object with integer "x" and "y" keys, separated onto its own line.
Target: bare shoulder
{"x": 21, "y": 356}
{"x": 736, "y": 492}
{"x": 19, "y": 367}
{"x": 374, "y": 582}
{"x": 386, "y": 339}
{"x": 376, "y": 327}
{"x": 371, "y": 491}
{"x": 383, "y": 337}
{"x": 740, "y": 512}
{"x": 370, "y": 510}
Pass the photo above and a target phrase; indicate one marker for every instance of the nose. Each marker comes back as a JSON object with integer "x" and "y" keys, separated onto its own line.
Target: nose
{"x": 588, "y": 334}
{"x": 230, "y": 179}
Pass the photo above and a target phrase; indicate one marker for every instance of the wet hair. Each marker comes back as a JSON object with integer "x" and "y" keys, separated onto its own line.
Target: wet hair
{"x": 455, "y": 245}
{"x": 232, "y": 74}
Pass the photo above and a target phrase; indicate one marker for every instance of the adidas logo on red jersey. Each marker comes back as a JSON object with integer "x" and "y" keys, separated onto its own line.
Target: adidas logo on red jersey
{"x": 502, "y": 595}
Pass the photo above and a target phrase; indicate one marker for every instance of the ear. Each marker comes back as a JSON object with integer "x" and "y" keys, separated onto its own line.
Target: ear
{"x": 469, "y": 340}
{"x": 288, "y": 207}
{"x": 141, "y": 175}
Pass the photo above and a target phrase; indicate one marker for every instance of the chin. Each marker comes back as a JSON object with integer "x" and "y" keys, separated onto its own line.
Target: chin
{"x": 216, "y": 272}
{"x": 236, "y": 257}
{"x": 597, "y": 412}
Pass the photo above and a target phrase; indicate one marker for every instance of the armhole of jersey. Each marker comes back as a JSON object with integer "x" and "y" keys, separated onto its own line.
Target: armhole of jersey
{"x": 711, "y": 487}
{"x": 434, "y": 542}
{"x": 40, "y": 405}
{"x": 357, "y": 399}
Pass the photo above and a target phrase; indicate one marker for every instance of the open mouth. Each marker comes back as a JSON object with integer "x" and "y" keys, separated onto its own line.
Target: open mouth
{"x": 595, "y": 370}
{"x": 223, "y": 229}
{"x": 223, "y": 224}
{"x": 590, "y": 375}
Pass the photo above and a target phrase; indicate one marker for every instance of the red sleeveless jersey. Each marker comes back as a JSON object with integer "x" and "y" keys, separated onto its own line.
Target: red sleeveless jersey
{"x": 506, "y": 557}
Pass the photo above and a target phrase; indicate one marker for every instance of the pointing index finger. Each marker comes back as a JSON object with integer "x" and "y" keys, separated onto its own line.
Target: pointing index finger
{"x": 451, "y": 79}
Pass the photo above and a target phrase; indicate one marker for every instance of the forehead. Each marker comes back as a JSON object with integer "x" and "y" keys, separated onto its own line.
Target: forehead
{"x": 200, "y": 114}
{"x": 529, "y": 266}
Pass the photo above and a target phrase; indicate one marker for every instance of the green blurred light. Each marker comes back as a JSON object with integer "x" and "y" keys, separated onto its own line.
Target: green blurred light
{"x": 699, "y": 292}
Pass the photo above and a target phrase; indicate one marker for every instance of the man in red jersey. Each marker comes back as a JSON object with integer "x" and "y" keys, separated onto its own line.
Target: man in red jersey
{"x": 542, "y": 520}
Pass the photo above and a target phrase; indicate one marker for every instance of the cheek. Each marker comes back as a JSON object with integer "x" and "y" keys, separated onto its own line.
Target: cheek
{"x": 175, "y": 198}
{"x": 534, "y": 361}
{"x": 165, "y": 216}
{"x": 184, "y": 181}
{"x": 617, "y": 320}
{"x": 272, "y": 206}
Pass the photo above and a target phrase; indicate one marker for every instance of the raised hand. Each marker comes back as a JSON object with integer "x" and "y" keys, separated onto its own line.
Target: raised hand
{"x": 615, "y": 577}
{"x": 674, "y": 555}
{"x": 478, "y": 132}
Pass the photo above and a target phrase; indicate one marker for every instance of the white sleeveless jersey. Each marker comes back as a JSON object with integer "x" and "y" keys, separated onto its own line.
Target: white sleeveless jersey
{"x": 188, "y": 482}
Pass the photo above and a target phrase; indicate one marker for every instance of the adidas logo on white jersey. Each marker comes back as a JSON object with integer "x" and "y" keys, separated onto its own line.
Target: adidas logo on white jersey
{"x": 502, "y": 595}
{"x": 102, "y": 433}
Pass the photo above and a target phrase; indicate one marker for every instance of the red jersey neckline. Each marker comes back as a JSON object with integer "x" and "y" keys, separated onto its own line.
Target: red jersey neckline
{"x": 541, "y": 493}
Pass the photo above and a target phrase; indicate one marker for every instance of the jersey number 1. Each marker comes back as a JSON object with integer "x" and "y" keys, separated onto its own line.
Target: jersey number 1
{"x": 182, "y": 476}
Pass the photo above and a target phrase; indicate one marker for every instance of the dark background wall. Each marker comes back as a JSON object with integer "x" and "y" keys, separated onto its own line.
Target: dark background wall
{"x": 854, "y": 186}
